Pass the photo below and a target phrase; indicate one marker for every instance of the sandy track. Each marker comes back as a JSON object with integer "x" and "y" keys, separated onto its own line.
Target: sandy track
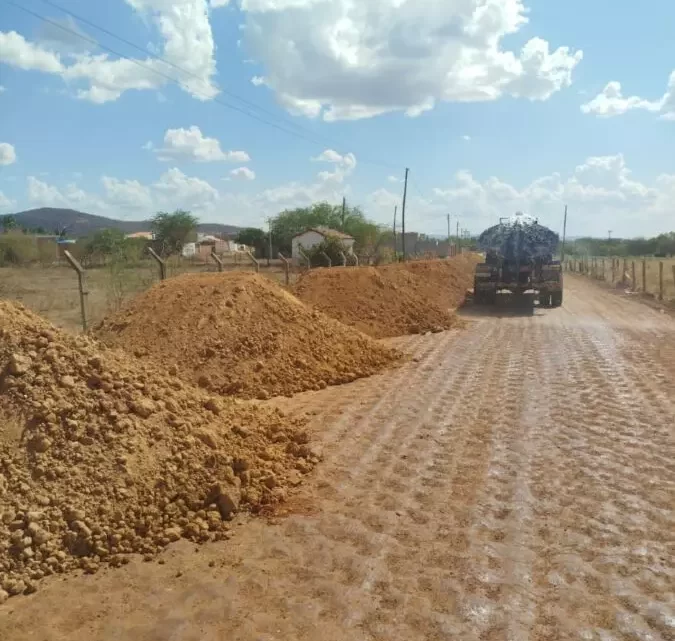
{"x": 516, "y": 482}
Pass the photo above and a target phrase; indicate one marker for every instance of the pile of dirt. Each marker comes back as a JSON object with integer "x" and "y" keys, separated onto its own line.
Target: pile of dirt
{"x": 102, "y": 456}
{"x": 393, "y": 300}
{"x": 242, "y": 334}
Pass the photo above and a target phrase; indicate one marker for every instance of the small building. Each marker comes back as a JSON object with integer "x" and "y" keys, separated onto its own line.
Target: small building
{"x": 314, "y": 236}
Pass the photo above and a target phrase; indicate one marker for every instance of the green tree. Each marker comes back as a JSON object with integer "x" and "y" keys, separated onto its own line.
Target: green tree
{"x": 8, "y": 223}
{"x": 173, "y": 230}
{"x": 291, "y": 222}
{"x": 256, "y": 238}
{"x": 105, "y": 242}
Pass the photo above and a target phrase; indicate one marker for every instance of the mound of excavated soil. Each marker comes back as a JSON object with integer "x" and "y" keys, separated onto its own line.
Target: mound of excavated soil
{"x": 394, "y": 300}
{"x": 102, "y": 456}
{"x": 242, "y": 334}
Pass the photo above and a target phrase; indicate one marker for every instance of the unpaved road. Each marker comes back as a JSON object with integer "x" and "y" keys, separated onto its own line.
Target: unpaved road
{"x": 517, "y": 482}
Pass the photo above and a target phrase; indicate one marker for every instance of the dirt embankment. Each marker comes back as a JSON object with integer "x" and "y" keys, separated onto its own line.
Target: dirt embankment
{"x": 241, "y": 334}
{"x": 393, "y": 300}
{"x": 102, "y": 455}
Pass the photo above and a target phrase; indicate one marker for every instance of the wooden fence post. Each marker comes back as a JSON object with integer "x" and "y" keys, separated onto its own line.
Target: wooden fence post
{"x": 625, "y": 271}
{"x": 219, "y": 261}
{"x": 254, "y": 260}
{"x": 613, "y": 270}
{"x": 674, "y": 275}
{"x": 81, "y": 285}
{"x": 633, "y": 275}
{"x": 644, "y": 275}
{"x": 160, "y": 262}
{"x": 286, "y": 268}
{"x": 603, "y": 270}
{"x": 660, "y": 280}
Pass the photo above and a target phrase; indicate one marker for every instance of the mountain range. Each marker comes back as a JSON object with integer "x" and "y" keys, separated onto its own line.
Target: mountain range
{"x": 76, "y": 224}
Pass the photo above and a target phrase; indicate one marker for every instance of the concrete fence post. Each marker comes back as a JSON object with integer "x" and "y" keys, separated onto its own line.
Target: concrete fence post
{"x": 343, "y": 259}
{"x": 254, "y": 260}
{"x": 218, "y": 259}
{"x": 308, "y": 260}
{"x": 160, "y": 261}
{"x": 81, "y": 286}
{"x": 328, "y": 260}
{"x": 287, "y": 266}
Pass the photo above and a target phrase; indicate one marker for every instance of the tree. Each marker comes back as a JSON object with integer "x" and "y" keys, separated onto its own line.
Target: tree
{"x": 8, "y": 223}
{"x": 256, "y": 238}
{"x": 291, "y": 222}
{"x": 173, "y": 230}
{"x": 105, "y": 242}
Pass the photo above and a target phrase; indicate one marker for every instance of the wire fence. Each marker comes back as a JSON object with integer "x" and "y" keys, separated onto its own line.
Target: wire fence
{"x": 654, "y": 277}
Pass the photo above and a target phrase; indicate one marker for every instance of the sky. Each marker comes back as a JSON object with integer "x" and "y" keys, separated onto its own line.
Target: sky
{"x": 239, "y": 109}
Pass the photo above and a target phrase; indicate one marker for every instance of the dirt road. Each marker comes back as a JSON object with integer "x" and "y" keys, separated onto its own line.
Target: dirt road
{"x": 516, "y": 482}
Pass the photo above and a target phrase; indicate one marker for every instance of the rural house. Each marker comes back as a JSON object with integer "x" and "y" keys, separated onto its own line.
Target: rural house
{"x": 314, "y": 236}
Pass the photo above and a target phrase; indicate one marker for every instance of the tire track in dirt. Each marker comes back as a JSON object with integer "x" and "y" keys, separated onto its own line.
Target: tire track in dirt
{"x": 514, "y": 484}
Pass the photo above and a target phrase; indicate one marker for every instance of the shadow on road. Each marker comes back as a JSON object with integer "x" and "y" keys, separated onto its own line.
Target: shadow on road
{"x": 505, "y": 307}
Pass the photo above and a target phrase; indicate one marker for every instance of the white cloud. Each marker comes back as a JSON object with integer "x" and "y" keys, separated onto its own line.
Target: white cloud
{"x": 467, "y": 138}
{"x": 191, "y": 144}
{"x": 347, "y": 60}
{"x": 219, "y": 3}
{"x": 2, "y": 89}
{"x": 187, "y": 41}
{"x": 611, "y": 102}
{"x": 7, "y": 154}
{"x": 127, "y": 194}
{"x": 243, "y": 173}
{"x": 600, "y": 192}
{"x": 5, "y": 203}
{"x": 344, "y": 165}
{"x": 16, "y": 51}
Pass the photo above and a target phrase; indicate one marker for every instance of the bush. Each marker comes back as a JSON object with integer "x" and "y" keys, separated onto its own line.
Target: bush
{"x": 17, "y": 249}
{"x": 332, "y": 247}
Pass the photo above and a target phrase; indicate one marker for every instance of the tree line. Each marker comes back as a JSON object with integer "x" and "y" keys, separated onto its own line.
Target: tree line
{"x": 660, "y": 246}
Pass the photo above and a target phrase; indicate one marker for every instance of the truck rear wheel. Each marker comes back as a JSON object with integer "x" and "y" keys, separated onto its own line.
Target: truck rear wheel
{"x": 544, "y": 298}
{"x": 556, "y": 299}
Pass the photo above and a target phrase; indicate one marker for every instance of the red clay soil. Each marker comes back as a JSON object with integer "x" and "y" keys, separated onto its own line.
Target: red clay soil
{"x": 393, "y": 300}
{"x": 103, "y": 455}
{"x": 242, "y": 334}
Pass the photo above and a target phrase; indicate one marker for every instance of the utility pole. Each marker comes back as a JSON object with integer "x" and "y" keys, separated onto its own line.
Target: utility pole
{"x": 458, "y": 241}
{"x": 609, "y": 236}
{"x": 405, "y": 195}
{"x": 562, "y": 250}
{"x": 344, "y": 207}
{"x": 448, "y": 229}
{"x": 395, "y": 212}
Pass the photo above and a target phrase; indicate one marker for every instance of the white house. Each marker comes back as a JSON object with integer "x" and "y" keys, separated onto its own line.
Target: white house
{"x": 314, "y": 236}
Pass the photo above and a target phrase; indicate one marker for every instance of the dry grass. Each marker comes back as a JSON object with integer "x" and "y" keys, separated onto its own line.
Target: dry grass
{"x": 52, "y": 291}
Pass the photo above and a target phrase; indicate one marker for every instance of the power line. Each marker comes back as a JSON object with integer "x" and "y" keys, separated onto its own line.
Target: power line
{"x": 138, "y": 63}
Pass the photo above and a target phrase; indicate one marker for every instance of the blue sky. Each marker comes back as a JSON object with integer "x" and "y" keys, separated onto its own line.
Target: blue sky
{"x": 494, "y": 105}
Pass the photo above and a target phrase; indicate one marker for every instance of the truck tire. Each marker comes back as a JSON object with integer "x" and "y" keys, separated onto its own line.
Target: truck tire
{"x": 556, "y": 299}
{"x": 544, "y": 298}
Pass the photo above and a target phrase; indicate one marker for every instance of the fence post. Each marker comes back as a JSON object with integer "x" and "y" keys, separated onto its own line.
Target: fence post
{"x": 660, "y": 280}
{"x": 160, "y": 262}
{"x": 218, "y": 260}
{"x": 343, "y": 259}
{"x": 81, "y": 285}
{"x": 644, "y": 275}
{"x": 673, "y": 274}
{"x": 306, "y": 257}
{"x": 254, "y": 260}
{"x": 625, "y": 271}
{"x": 603, "y": 270}
{"x": 328, "y": 260}
{"x": 613, "y": 270}
{"x": 633, "y": 275}
{"x": 286, "y": 268}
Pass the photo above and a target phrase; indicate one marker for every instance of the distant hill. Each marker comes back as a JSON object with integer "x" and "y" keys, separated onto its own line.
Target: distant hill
{"x": 78, "y": 223}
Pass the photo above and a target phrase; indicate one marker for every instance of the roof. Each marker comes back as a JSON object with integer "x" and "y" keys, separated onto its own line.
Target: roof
{"x": 327, "y": 232}
{"x": 140, "y": 234}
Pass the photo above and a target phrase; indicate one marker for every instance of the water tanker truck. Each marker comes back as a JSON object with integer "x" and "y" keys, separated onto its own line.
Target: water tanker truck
{"x": 519, "y": 261}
